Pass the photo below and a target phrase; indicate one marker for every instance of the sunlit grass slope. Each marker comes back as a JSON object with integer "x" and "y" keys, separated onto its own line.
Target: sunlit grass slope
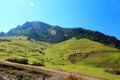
{"x": 80, "y": 55}
{"x": 90, "y": 51}
{"x": 20, "y": 47}
{"x": 90, "y": 55}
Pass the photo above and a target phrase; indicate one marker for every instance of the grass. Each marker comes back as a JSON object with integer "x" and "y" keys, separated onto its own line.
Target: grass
{"x": 56, "y": 55}
{"x": 86, "y": 70}
{"x": 22, "y": 49}
{"x": 97, "y": 54}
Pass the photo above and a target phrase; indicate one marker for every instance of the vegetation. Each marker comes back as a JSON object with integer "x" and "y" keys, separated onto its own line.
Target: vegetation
{"x": 79, "y": 55}
{"x": 22, "y": 50}
{"x": 40, "y": 31}
{"x": 75, "y": 54}
{"x": 19, "y": 73}
{"x": 21, "y": 61}
{"x": 38, "y": 64}
{"x": 4, "y": 40}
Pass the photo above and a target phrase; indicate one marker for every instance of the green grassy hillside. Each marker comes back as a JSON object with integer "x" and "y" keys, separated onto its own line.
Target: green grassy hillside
{"x": 80, "y": 55}
{"x": 20, "y": 47}
{"x": 83, "y": 55}
{"x": 80, "y": 51}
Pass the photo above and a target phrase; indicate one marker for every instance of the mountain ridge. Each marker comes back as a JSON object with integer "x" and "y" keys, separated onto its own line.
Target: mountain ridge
{"x": 47, "y": 33}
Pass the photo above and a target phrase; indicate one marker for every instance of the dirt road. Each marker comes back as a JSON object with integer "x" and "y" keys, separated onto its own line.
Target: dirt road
{"x": 55, "y": 74}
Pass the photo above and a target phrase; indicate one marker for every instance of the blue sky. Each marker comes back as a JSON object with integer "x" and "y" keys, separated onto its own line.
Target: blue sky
{"x": 100, "y": 15}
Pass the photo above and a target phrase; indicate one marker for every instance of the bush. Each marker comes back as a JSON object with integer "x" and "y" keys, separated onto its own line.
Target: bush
{"x": 4, "y": 40}
{"x": 38, "y": 64}
{"x": 113, "y": 71}
{"x": 22, "y": 61}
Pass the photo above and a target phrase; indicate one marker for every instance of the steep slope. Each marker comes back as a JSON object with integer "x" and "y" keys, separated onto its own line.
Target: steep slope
{"x": 26, "y": 28}
{"x": 38, "y": 31}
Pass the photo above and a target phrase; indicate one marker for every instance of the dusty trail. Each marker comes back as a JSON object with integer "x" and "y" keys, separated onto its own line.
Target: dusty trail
{"x": 55, "y": 74}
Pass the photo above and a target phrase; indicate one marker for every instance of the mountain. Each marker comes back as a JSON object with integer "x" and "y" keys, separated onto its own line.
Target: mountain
{"x": 2, "y": 34}
{"x": 38, "y": 31}
{"x": 47, "y": 33}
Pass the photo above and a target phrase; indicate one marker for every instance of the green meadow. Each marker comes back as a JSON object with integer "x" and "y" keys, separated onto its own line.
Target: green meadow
{"x": 78, "y": 55}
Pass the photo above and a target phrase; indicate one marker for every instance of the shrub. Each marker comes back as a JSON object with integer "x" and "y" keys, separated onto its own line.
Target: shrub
{"x": 22, "y": 61}
{"x": 5, "y": 40}
{"x": 38, "y": 64}
{"x": 113, "y": 71}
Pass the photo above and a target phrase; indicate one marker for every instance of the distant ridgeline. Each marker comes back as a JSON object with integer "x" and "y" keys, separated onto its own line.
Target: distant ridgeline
{"x": 44, "y": 32}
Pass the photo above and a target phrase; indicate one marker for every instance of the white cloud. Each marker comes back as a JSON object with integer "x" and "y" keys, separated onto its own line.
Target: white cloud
{"x": 31, "y": 4}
